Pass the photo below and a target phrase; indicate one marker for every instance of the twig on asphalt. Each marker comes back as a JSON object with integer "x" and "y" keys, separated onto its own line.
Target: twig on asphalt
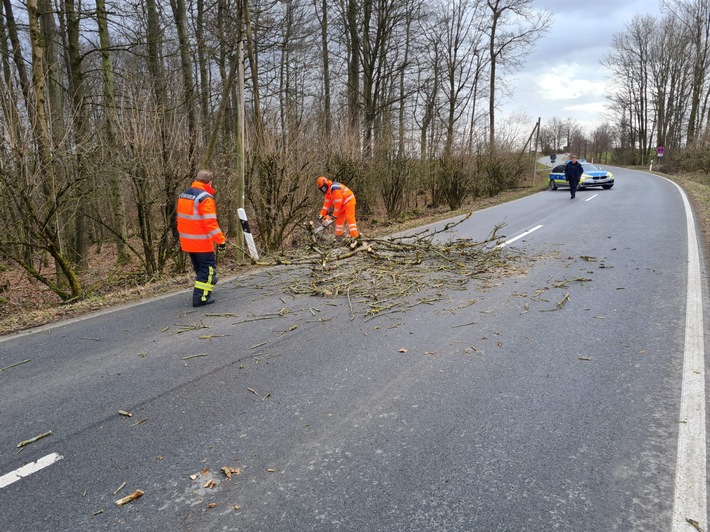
{"x": 15, "y": 365}
{"x": 32, "y": 440}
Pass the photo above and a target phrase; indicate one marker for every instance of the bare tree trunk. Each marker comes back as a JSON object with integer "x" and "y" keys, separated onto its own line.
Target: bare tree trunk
{"x": 402, "y": 94}
{"x": 55, "y": 100}
{"x": 180, "y": 17}
{"x": 117, "y": 200}
{"x": 430, "y": 106}
{"x": 474, "y": 99}
{"x": 7, "y": 89}
{"x": 284, "y": 75}
{"x": 492, "y": 56}
{"x": 77, "y": 90}
{"x": 202, "y": 63}
{"x": 353, "y": 89}
{"x": 326, "y": 70}
{"x": 251, "y": 53}
{"x": 55, "y": 124}
{"x": 155, "y": 67}
{"x": 40, "y": 128}
{"x": 220, "y": 113}
{"x": 52, "y": 241}
{"x": 18, "y": 59}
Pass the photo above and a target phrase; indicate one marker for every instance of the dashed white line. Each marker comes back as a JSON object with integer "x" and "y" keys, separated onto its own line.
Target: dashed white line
{"x": 28, "y": 469}
{"x": 690, "y": 498}
{"x": 526, "y": 233}
{"x": 591, "y": 197}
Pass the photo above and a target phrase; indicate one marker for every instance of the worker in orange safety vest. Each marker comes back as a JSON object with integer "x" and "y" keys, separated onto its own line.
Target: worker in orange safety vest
{"x": 199, "y": 231}
{"x": 342, "y": 200}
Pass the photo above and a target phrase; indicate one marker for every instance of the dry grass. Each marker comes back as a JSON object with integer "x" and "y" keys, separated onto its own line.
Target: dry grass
{"x": 697, "y": 187}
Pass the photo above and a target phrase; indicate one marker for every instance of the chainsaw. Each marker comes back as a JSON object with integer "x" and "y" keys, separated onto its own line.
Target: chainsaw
{"x": 325, "y": 222}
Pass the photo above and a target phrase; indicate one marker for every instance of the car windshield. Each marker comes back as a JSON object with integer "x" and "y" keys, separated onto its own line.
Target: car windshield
{"x": 589, "y": 167}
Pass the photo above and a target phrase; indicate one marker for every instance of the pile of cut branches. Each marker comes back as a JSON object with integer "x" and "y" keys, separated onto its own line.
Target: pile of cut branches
{"x": 393, "y": 274}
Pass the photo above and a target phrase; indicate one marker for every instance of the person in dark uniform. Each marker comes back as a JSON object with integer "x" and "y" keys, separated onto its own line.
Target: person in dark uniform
{"x": 573, "y": 173}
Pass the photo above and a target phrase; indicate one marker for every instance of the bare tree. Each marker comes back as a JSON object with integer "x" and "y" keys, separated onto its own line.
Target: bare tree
{"x": 513, "y": 27}
{"x": 117, "y": 200}
{"x": 325, "y": 54}
{"x": 461, "y": 40}
{"x": 180, "y": 18}
{"x": 695, "y": 16}
{"x": 556, "y": 132}
{"x": 602, "y": 142}
{"x": 352, "y": 34}
{"x": 671, "y": 79}
{"x": 629, "y": 58}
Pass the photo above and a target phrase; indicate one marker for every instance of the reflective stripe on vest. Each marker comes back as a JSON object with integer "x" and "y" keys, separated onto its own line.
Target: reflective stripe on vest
{"x": 195, "y": 205}
{"x": 208, "y": 236}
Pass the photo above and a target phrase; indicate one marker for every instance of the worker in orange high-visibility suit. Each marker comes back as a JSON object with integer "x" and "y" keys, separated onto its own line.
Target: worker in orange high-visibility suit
{"x": 199, "y": 232}
{"x": 342, "y": 200}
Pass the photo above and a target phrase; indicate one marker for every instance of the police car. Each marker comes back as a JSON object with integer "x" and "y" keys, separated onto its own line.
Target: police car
{"x": 593, "y": 176}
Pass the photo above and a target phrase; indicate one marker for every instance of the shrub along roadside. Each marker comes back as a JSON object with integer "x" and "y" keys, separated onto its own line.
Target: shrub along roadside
{"x": 25, "y": 304}
{"x": 29, "y": 304}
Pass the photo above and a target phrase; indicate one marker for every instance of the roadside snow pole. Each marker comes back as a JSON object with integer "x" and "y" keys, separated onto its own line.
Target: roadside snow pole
{"x": 247, "y": 234}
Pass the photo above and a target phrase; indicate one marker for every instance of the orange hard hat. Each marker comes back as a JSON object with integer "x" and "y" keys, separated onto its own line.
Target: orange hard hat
{"x": 322, "y": 181}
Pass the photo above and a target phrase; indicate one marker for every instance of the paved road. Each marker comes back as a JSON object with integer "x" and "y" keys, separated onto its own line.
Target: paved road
{"x": 548, "y": 399}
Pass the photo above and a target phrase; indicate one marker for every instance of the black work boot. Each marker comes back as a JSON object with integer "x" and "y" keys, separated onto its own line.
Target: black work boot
{"x": 200, "y": 303}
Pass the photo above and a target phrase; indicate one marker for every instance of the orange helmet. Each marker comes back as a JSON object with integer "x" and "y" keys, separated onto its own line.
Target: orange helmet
{"x": 323, "y": 183}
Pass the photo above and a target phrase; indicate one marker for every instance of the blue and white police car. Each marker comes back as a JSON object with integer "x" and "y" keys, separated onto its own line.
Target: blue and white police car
{"x": 593, "y": 176}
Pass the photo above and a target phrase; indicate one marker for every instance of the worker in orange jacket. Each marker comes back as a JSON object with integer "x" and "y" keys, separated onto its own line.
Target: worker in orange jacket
{"x": 199, "y": 232}
{"x": 342, "y": 200}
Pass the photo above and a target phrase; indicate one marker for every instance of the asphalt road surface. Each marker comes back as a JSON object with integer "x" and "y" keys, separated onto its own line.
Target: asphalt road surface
{"x": 567, "y": 395}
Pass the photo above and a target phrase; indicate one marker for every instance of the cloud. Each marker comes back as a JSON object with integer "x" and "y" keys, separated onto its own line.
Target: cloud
{"x": 564, "y": 77}
{"x": 593, "y": 108}
{"x": 567, "y": 82}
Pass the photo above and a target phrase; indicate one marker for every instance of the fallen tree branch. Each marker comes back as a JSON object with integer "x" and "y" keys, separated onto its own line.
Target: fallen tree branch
{"x": 15, "y": 365}
{"x": 32, "y": 440}
{"x": 128, "y": 498}
{"x": 393, "y": 274}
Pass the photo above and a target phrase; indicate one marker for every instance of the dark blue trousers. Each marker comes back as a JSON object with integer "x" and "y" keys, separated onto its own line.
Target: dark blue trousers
{"x": 205, "y": 267}
{"x": 573, "y": 186}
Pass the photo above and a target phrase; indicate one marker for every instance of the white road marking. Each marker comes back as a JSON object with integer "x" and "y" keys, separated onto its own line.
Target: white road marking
{"x": 518, "y": 237}
{"x": 591, "y": 197}
{"x": 690, "y": 498}
{"x": 27, "y": 469}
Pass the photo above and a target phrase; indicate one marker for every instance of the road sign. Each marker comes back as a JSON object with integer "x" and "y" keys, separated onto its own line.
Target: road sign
{"x": 660, "y": 151}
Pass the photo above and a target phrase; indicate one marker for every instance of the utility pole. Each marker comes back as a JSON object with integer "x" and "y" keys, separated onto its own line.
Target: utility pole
{"x": 536, "y": 132}
{"x": 241, "y": 192}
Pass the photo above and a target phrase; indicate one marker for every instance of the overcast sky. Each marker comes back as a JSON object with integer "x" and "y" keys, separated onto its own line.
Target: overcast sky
{"x": 563, "y": 77}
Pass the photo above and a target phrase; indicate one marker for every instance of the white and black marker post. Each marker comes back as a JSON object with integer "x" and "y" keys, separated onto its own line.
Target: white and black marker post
{"x": 247, "y": 234}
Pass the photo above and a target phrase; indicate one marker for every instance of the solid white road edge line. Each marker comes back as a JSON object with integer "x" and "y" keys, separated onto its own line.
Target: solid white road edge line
{"x": 591, "y": 198}
{"x": 518, "y": 237}
{"x": 27, "y": 469}
{"x": 690, "y": 498}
